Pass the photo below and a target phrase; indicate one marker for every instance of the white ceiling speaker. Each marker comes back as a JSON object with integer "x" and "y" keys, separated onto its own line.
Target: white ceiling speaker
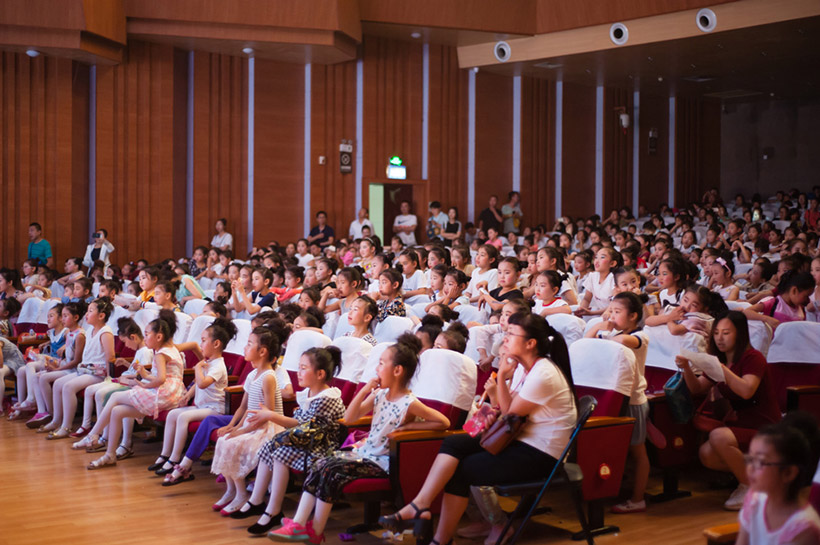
{"x": 502, "y": 51}
{"x": 706, "y": 20}
{"x": 618, "y": 33}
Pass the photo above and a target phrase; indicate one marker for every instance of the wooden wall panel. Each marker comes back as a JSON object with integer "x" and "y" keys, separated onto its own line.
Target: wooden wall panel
{"x": 278, "y": 151}
{"x": 220, "y": 147}
{"x": 538, "y": 151}
{"x": 697, "y": 157}
{"x": 447, "y": 142}
{"x": 138, "y": 154}
{"x": 333, "y": 115}
{"x": 393, "y": 111}
{"x": 617, "y": 151}
{"x": 493, "y": 139}
{"x": 44, "y": 158}
{"x": 578, "y": 144}
{"x": 654, "y": 167}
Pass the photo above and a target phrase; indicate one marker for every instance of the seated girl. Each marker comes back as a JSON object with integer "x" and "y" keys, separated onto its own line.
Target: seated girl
{"x": 164, "y": 297}
{"x": 314, "y": 435}
{"x": 362, "y": 316}
{"x": 509, "y": 269}
{"x": 237, "y": 449}
{"x": 789, "y": 305}
{"x": 599, "y": 285}
{"x": 261, "y": 280}
{"x": 208, "y": 392}
{"x": 348, "y": 285}
{"x": 394, "y": 409}
{"x": 547, "y": 284}
{"x": 9, "y": 308}
{"x": 429, "y": 329}
{"x": 294, "y": 276}
{"x": 722, "y": 281}
{"x": 489, "y": 338}
{"x": 736, "y": 407}
{"x": 453, "y": 338}
{"x": 534, "y": 380}
{"x": 696, "y": 312}
{"x": 11, "y": 361}
{"x": 161, "y": 390}
{"x": 390, "y": 295}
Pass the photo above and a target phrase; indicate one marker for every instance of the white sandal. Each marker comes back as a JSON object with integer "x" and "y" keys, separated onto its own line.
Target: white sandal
{"x": 83, "y": 443}
{"x": 102, "y": 461}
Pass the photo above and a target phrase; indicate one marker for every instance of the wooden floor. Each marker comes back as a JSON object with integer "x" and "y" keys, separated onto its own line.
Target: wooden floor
{"x": 47, "y": 496}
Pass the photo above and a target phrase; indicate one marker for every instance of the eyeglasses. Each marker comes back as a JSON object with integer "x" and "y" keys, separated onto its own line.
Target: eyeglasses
{"x": 757, "y": 463}
{"x": 508, "y": 334}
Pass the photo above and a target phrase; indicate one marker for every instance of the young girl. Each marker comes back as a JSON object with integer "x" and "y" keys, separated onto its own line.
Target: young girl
{"x": 394, "y": 408}
{"x": 460, "y": 257}
{"x": 485, "y": 274}
{"x": 453, "y": 338}
{"x": 455, "y": 283}
{"x": 11, "y": 361}
{"x": 95, "y": 395}
{"x": 309, "y": 298}
{"x": 696, "y": 312}
{"x": 672, "y": 279}
{"x": 325, "y": 268}
{"x": 237, "y": 302}
{"x": 490, "y": 337}
{"x": 793, "y": 291}
{"x": 294, "y": 276}
{"x": 390, "y": 295}
{"x": 208, "y": 392}
{"x": 508, "y": 271}
{"x": 599, "y": 285}
{"x": 161, "y": 390}
{"x": 547, "y": 284}
{"x": 27, "y": 375}
{"x": 552, "y": 259}
{"x": 721, "y": 278}
{"x": 164, "y": 297}
{"x": 348, "y": 284}
{"x": 361, "y": 316}
{"x": 302, "y": 255}
{"x": 782, "y": 458}
{"x": 581, "y": 264}
{"x": 56, "y": 369}
{"x": 414, "y": 282}
{"x": 237, "y": 449}
{"x": 435, "y": 281}
{"x": 429, "y": 329}
{"x": 261, "y": 280}
{"x": 623, "y": 326}
{"x": 320, "y": 408}
{"x": 367, "y": 250}
{"x": 813, "y": 308}
{"x": 148, "y": 278}
{"x": 97, "y": 353}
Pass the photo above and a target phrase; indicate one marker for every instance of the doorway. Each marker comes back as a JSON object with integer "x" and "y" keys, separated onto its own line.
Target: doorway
{"x": 385, "y": 205}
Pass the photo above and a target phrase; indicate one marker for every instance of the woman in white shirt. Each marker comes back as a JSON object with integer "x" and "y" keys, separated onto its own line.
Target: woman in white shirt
{"x": 534, "y": 380}
{"x": 222, "y": 240}
{"x": 99, "y": 250}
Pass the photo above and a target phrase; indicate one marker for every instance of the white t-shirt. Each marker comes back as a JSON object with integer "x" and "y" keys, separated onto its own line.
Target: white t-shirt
{"x": 601, "y": 293}
{"x": 143, "y": 357}
{"x": 406, "y": 220}
{"x": 540, "y": 306}
{"x": 491, "y": 276}
{"x": 753, "y": 520}
{"x": 638, "y": 394}
{"x": 282, "y": 377}
{"x": 225, "y": 239}
{"x": 549, "y": 427}
{"x": 213, "y": 397}
{"x": 356, "y": 227}
{"x": 304, "y": 259}
{"x": 415, "y": 281}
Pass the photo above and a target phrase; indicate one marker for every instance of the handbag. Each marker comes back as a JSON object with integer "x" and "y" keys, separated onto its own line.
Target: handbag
{"x": 503, "y": 432}
{"x": 678, "y": 398}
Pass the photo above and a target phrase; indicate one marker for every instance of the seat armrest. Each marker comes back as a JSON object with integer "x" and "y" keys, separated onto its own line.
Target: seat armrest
{"x": 363, "y": 422}
{"x": 655, "y": 396}
{"x": 718, "y": 535}
{"x": 237, "y": 389}
{"x": 807, "y": 389}
{"x": 421, "y": 435}
{"x": 602, "y": 421}
{"x": 188, "y": 372}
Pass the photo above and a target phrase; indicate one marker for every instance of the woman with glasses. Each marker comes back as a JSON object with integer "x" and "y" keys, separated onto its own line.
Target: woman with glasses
{"x": 534, "y": 380}
{"x": 736, "y": 407}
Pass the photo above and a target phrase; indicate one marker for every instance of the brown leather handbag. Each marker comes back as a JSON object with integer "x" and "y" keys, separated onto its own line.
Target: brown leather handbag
{"x": 503, "y": 432}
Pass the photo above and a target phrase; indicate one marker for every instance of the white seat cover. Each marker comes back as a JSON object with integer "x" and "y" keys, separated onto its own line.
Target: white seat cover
{"x": 195, "y": 306}
{"x": 342, "y": 327}
{"x": 392, "y": 327}
{"x": 470, "y": 313}
{"x": 663, "y": 346}
{"x": 743, "y": 268}
{"x": 243, "y": 331}
{"x": 355, "y": 353}
{"x": 30, "y": 310}
{"x": 57, "y": 290}
{"x": 183, "y": 326}
{"x": 369, "y": 370}
{"x": 417, "y": 299}
{"x": 796, "y": 342}
{"x": 331, "y": 319}
{"x": 569, "y": 326}
{"x": 199, "y": 325}
{"x": 419, "y": 309}
{"x": 145, "y": 316}
{"x": 737, "y": 305}
{"x": 42, "y": 317}
{"x": 446, "y": 376}
{"x": 760, "y": 336}
{"x": 603, "y": 364}
{"x": 298, "y": 343}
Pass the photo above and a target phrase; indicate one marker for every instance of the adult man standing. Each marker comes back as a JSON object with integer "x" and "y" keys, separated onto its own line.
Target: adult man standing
{"x": 405, "y": 225}
{"x": 356, "y": 226}
{"x": 38, "y": 247}
{"x": 323, "y": 233}
{"x": 512, "y": 213}
{"x": 490, "y": 216}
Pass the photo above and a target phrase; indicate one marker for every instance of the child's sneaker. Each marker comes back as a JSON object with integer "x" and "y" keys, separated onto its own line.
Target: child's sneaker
{"x": 37, "y": 420}
{"x": 290, "y": 531}
{"x": 629, "y": 506}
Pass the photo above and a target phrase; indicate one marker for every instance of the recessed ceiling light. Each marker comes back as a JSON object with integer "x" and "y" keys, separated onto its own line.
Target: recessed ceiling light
{"x": 32, "y": 53}
{"x": 416, "y": 35}
{"x": 247, "y": 51}
{"x": 548, "y": 65}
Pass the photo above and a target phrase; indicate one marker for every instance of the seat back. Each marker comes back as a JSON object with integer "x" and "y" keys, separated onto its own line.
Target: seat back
{"x": 355, "y": 353}
{"x": 664, "y": 347}
{"x": 342, "y": 327}
{"x": 604, "y": 367}
{"x": 240, "y": 341}
{"x": 570, "y": 327}
{"x": 195, "y": 306}
{"x": 392, "y": 327}
{"x": 329, "y": 327}
{"x": 470, "y": 313}
{"x": 793, "y": 358}
{"x": 603, "y": 468}
{"x": 446, "y": 381}
{"x": 298, "y": 343}
{"x": 116, "y": 314}
{"x": 30, "y": 311}
{"x": 369, "y": 370}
